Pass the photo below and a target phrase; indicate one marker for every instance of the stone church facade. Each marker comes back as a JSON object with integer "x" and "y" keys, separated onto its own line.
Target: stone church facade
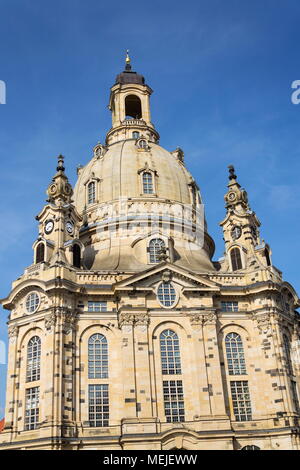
{"x": 124, "y": 334}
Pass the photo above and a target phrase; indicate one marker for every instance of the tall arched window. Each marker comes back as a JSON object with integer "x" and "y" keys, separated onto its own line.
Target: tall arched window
{"x": 267, "y": 256}
{"x": 33, "y": 371}
{"x": 171, "y": 365}
{"x": 235, "y": 354}
{"x": 91, "y": 192}
{"x": 133, "y": 107}
{"x": 236, "y": 260}
{"x": 147, "y": 183}
{"x": 98, "y": 357}
{"x": 170, "y": 353}
{"x": 155, "y": 246}
{"x": 76, "y": 256}
{"x": 287, "y": 352}
{"x": 40, "y": 253}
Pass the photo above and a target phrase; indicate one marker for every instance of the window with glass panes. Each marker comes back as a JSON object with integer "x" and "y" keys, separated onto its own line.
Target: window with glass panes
{"x": 91, "y": 192}
{"x": 32, "y": 403}
{"x": 166, "y": 294}
{"x": 147, "y": 183}
{"x": 32, "y": 302}
{"x": 100, "y": 306}
{"x": 33, "y": 370}
{"x": 170, "y": 353}
{"x": 98, "y": 405}
{"x": 173, "y": 400}
{"x": 229, "y": 306}
{"x": 235, "y": 354}
{"x": 287, "y": 352}
{"x": 295, "y": 396}
{"x": 97, "y": 357}
{"x": 155, "y": 247}
{"x": 241, "y": 400}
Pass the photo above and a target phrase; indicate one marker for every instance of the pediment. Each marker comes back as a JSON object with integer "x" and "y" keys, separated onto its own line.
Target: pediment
{"x": 167, "y": 271}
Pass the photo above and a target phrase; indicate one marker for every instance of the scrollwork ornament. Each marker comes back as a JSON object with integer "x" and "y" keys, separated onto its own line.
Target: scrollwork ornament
{"x": 263, "y": 322}
{"x": 69, "y": 322}
{"x": 209, "y": 318}
{"x": 50, "y": 321}
{"x": 126, "y": 320}
{"x": 142, "y": 321}
{"x": 13, "y": 333}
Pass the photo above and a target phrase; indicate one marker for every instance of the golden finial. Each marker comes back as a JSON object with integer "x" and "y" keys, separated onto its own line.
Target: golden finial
{"x": 127, "y": 57}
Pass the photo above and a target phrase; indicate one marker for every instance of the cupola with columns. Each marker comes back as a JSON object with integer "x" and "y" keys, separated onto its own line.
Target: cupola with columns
{"x": 130, "y": 106}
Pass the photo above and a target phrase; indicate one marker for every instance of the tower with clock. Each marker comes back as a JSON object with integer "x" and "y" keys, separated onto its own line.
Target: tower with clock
{"x": 125, "y": 333}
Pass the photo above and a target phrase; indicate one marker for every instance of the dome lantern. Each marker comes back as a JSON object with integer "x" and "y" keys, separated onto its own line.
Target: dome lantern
{"x": 130, "y": 106}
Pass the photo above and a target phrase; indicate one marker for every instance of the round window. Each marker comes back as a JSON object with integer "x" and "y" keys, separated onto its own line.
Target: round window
{"x": 32, "y": 302}
{"x": 166, "y": 294}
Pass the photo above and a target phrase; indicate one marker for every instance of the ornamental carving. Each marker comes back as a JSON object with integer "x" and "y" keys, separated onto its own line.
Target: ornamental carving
{"x": 126, "y": 319}
{"x": 69, "y": 321}
{"x": 13, "y": 333}
{"x": 50, "y": 321}
{"x": 205, "y": 318}
{"x": 263, "y": 322}
{"x": 140, "y": 320}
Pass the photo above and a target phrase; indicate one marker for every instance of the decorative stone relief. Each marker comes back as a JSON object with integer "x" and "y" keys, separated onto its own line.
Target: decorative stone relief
{"x": 69, "y": 321}
{"x": 50, "y": 321}
{"x": 13, "y": 333}
{"x": 263, "y": 322}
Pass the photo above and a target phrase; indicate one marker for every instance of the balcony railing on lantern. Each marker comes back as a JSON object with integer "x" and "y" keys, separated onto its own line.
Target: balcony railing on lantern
{"x": 134, "y": 122}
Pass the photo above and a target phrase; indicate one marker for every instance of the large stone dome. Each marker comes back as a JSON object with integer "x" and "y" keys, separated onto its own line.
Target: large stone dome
{"x": 117, "y": 228}
{"x": 118, "y": 171}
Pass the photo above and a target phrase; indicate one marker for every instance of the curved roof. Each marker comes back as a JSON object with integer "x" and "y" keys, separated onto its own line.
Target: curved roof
{"x": 118, "y": 172}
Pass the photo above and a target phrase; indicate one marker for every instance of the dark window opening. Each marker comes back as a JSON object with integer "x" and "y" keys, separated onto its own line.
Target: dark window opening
{"x": 236, "y": 260}
{"x": 40, "y": 253}
{"x": 133, "y": 107}
{"x": 76, "y": 256}
{"x": 267, "y": 255}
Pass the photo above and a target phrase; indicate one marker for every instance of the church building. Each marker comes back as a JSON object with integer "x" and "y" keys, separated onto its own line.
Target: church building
{"x": 125, "y": 334}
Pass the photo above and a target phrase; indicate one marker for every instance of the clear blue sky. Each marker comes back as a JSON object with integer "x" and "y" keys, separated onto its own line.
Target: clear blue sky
{"x": 221, "y": 73}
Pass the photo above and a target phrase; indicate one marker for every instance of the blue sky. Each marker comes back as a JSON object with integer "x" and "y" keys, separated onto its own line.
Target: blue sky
{"x": 221, "y": 74}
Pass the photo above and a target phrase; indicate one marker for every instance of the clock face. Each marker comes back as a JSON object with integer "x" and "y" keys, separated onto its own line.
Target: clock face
{"x": 70, "y": 227}
{"x": 236, "y": 232}
{"x": 231, "y": 196}
{"x": 49, "y": 226}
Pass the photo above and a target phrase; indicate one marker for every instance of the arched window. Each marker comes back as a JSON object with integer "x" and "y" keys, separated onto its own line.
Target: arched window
{"x": 40, "y": 253}
{"x": 287, "y": 353}
{"x": 98, "y": 357}
{"x": 76, "y": 256}
{"x": 235, "y": 354}
{"x": 33, "y": 371}
{"x": 155, "y": 246}
{"x": 170, "y": 353}
{"x": 267, "y": 256}
{"x": 133, "y": 107}
{"x": 91, "y": 192}
{"x": 147, "y": 183}
{"x": 166, "y": 294}
{"x": 251, "y": 447}
{"x": 142, "y": 144}
{"x": 236, "y": 260}
{"x": 135, "y": 135}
